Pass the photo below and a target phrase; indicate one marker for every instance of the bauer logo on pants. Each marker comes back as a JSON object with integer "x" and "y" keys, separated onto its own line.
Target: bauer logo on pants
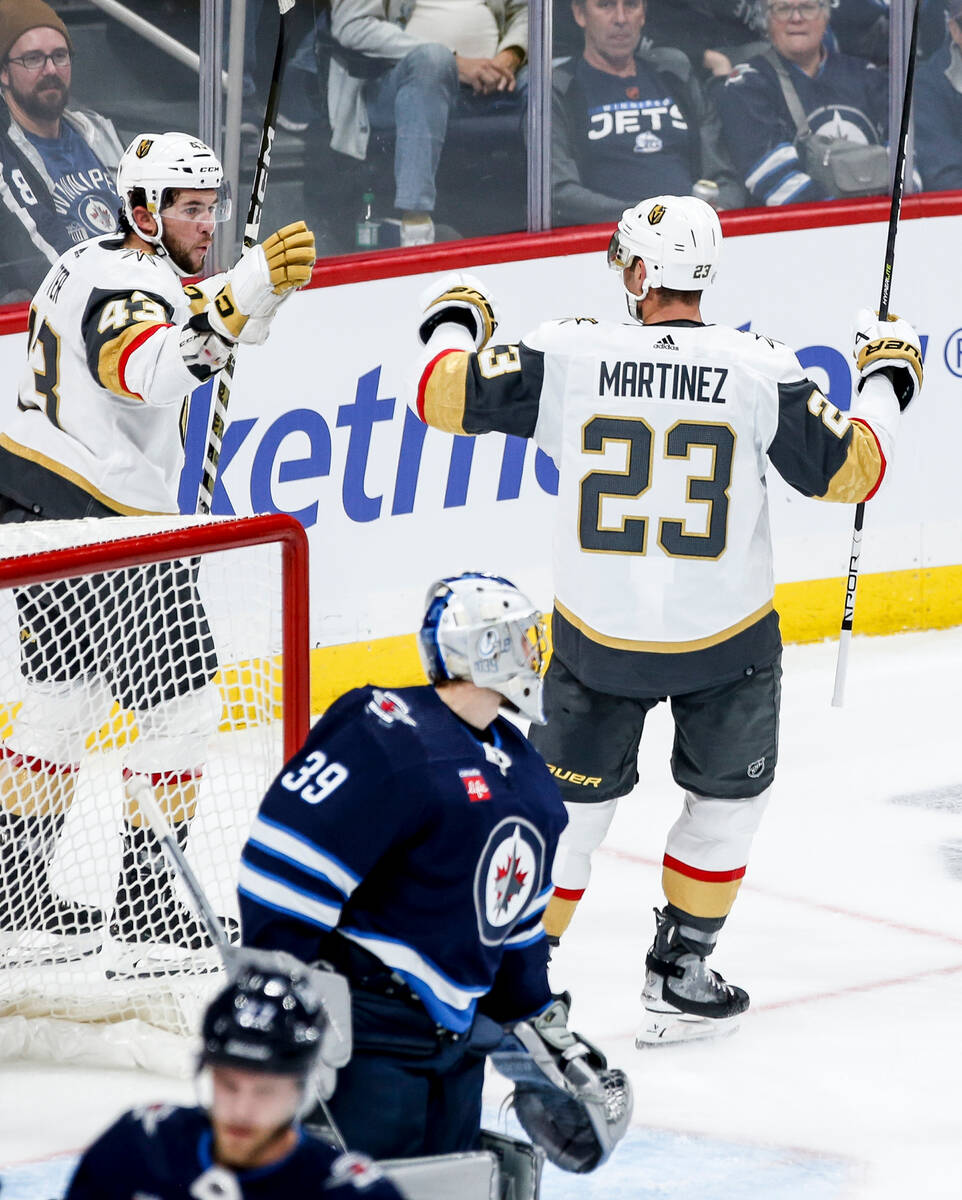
{"x": 509, "y": 875}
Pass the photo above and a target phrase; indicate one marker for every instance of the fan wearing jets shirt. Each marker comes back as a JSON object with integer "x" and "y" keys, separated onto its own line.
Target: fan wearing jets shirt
{"x": 663, "y": 429}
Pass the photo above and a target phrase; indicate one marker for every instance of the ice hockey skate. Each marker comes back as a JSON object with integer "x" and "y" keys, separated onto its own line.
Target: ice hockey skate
{"x": 38, "y": 927}
{"x": 152, "y": 933}
{"x": 684, "y": 998}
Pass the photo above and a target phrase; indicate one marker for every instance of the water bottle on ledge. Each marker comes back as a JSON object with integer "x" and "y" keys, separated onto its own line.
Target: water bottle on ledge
{"x": 367, "y": 228}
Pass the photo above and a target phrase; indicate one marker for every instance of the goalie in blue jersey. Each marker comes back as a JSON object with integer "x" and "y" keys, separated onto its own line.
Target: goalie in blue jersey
{"x": 409, "y": 845}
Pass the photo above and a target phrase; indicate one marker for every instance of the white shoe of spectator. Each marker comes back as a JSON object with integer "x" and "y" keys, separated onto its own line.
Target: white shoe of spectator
{"x": 417, "y": 229}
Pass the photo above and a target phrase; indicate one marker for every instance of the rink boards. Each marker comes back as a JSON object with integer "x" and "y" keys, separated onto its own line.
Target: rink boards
{"x": 321, "y": 427}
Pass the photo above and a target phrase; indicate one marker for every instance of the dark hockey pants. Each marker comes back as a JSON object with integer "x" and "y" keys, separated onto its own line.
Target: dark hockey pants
{"x": 410, "y": 1089}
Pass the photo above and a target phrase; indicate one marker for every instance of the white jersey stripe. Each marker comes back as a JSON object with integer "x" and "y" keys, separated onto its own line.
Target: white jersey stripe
{"x": 284, "y": 897}
{"x": 282, "y": 843}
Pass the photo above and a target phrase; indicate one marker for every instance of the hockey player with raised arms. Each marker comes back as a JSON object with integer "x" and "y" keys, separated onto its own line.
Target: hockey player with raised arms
{"x": 116, "y": 343}
{"x": 662, "y": 430}
{"x": 261, "y": 1042}
{"x": 409, "y": 844}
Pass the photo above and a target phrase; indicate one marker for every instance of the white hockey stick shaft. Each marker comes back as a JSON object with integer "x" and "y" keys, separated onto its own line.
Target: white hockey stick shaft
{"x": 898, "y": 186}
{"x": 160, "y": 827}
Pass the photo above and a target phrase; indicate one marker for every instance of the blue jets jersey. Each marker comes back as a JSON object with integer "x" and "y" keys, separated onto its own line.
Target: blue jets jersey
{"x": 847, "y": 98}
{"x": 417, "y": 840}
{"x": 163, "y": 1152}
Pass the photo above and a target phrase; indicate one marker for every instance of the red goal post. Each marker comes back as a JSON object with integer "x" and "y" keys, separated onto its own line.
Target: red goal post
{"x": 127, "y": 984}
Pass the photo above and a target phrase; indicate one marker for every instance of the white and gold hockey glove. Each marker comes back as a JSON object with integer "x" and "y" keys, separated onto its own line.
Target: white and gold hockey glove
{"x": 261, "y": 278}
{"x": 458, "y": 299}
{"x": 892, "y": 347}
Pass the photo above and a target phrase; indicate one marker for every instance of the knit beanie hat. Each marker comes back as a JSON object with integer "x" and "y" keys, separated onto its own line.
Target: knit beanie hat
{"x": 17, "y": 16}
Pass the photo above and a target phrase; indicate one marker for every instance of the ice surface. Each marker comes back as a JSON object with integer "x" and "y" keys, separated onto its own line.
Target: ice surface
{"x": 844, "y": 1079}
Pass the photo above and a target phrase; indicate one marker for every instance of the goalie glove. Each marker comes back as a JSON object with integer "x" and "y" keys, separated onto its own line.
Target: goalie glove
{"x": 259, "y": 280}
{"x": 458, "y": 299}
{"x": 891, "y": 347}
{"x": 565, "y": 1096}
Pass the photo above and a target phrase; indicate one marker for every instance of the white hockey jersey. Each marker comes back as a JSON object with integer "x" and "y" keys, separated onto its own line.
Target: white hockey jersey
{"x": 662, "y": 436}
{"x": 97, "y": 422}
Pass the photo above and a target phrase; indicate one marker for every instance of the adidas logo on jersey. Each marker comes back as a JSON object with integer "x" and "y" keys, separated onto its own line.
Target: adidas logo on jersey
{"x": 666, "y": 343}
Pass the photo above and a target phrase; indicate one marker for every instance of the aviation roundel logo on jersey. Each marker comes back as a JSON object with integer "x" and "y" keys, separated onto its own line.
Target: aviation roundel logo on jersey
{"x": 510, "y": 871}
{"x": 96, "y": 214}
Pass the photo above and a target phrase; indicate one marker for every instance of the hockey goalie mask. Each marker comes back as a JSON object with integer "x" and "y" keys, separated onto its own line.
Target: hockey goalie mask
{"x": 677, "y": 237}
{"x": 156, "y": 163}
{"x": 480, "y": 628}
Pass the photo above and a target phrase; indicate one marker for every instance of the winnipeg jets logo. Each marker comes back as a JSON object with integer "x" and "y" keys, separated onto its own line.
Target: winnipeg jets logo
{"x": 388, "y": 707}
{"x": 844, "y": 122}
{"x": 648, "y": 143}
{"x": 97, "y": 215}
{"x": 150, "y": 1116}
{"x": 509, "y": 874}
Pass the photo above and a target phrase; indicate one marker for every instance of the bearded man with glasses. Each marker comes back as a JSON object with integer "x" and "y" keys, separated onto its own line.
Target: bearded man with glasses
{"x": 842, "y": 98}
{"x": 57, "y": 165}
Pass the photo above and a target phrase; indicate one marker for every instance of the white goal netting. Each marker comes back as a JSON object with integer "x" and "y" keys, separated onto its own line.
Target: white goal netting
{"x": 174, "y": 676}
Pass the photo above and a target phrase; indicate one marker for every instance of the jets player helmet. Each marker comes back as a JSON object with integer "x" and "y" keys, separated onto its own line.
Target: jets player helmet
{"x": 263, "y": 1020}
{"x": 677, "y": 237}
{"x": 480, "y": 628}
{"x": 155, "y": 163}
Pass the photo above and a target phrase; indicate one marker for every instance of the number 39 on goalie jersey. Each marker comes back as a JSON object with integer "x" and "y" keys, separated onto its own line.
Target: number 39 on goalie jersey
{"x": 662, "y": 435}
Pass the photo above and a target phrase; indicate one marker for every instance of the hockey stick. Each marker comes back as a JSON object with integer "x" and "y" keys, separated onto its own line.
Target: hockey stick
{"x": 215, "y": 439}
{"x": 898, "y": 185}
{"x": 230, "y": 955}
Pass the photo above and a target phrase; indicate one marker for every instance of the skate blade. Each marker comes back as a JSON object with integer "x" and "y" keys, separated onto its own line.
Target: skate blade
{"x": 670, "y": 1028}
{"x": 157, "y": 960}
{"x": 38, "y": 948}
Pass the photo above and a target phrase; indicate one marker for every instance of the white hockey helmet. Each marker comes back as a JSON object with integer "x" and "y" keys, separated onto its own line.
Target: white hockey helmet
{"x": 480, "y": 628}
{"x": 677, "y": 237}
{"x": 156, "y": 162}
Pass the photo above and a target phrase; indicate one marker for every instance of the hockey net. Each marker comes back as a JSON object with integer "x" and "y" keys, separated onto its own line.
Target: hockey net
{"x": 138, "y": 652}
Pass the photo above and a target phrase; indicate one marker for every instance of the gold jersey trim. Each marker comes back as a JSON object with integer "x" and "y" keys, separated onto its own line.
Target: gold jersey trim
{"x": 444, "y": 392}
{"x": 74, "y": 477}
{"x": 663, "y": 647}
{"x": 862, "y": 470}
{"x": 110, "y": 361}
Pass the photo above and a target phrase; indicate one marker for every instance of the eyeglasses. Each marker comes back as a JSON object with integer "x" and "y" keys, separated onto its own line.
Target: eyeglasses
{"x": 806, "y": 10}
{"x": 36, "y": 60}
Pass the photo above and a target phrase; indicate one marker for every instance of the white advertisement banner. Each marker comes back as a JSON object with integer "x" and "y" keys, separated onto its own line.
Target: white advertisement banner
{"x": 319, "y": 424}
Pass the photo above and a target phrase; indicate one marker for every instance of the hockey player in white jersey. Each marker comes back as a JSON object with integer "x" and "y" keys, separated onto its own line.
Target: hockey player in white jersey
{"x": 116, "y": 343}
{"x": 662, "y": 430}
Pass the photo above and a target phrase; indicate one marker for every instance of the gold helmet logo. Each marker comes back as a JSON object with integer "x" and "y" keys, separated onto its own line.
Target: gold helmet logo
{"x": 656, "y": 214}
{"x": 144, "y": 147}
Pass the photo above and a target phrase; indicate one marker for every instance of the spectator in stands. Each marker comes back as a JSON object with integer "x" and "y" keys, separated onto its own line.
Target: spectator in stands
{"x": 713, "y": 33}
{"x": 843, "y": 100}
{"x": 57, "y": 165}
{"x": 629, "y": 122}
{"x": 409, "y": 74}
{"x": 938, "y": 110}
